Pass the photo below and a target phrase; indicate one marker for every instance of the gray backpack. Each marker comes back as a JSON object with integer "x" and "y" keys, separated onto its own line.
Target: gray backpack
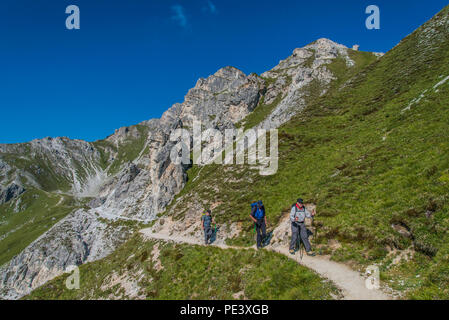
{"x": 301, "y": 215}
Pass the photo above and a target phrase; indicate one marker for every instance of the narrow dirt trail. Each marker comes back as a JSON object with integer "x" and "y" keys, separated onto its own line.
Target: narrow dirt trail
{"x": 351, "y": 283}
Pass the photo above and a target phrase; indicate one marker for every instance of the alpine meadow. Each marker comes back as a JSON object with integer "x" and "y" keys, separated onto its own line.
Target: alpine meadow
{"x": 363, "y": 139}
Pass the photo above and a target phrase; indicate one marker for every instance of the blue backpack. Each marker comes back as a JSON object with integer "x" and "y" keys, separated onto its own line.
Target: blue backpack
{"x": 259, "y": 213}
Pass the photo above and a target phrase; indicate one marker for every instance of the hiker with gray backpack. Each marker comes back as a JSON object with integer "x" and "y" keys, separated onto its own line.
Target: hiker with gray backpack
{"x": 298, "y": 215}
{"x": 260, "y": 220}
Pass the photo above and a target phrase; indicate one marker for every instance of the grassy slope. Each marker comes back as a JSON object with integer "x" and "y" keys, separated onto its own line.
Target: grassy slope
{"x": 192, "y": 272}
{"x": 231, "y": 182}
{"x": 335, "y": 154}
{"x": 39, "y": 167}
{"x": 19, "y": 229}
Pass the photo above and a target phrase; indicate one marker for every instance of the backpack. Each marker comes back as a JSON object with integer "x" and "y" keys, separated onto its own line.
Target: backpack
{"x": 302, "y": 215}
{"x": 207, "y": 220}
{"x": 259, "y": 213}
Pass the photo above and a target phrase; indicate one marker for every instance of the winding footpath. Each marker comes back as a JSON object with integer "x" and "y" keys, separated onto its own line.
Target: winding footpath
{"x": 350, "y": 282}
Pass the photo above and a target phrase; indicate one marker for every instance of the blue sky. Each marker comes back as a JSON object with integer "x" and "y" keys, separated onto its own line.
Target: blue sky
{"x": 131, "y": 60}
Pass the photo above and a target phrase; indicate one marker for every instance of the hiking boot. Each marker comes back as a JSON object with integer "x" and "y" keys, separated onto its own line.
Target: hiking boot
{"x": 311, "y": 254}
{"x": 292, "y": 252}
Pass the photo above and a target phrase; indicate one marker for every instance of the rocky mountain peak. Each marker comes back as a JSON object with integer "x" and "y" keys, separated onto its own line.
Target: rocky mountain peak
{"x": 291, "y": 78}
{"x": 225, "y": 79}
{"x": 220, "y": 100}
{"x": 325, "y": 43}
{"x": 320, "y": 52}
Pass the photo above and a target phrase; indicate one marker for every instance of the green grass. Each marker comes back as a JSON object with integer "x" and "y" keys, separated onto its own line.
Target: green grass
{"x": 192, "y": 272}
{"x": 343, "y": 73}
{"x": 41, "y": 169}
{"x": 41, "y": 211}
{"x": 366, "y": 164}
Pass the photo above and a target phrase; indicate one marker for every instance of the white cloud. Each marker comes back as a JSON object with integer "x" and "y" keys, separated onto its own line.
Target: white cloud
{"x": 179, "y": 15}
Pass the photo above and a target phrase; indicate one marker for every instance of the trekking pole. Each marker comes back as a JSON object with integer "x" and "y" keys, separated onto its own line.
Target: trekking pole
{"x": 314, "y": 229}
{"x": 299, "y": 244}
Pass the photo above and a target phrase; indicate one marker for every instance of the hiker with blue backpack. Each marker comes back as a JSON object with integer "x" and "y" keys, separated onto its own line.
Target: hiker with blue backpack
{"x": 298, "y": 215}
{"x": 206, "y": 221}
{"x": 260, "y": 220}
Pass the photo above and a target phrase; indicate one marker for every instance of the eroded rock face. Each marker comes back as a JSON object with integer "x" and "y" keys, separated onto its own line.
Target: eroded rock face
{"x": 218, "y": 101}
{"x": 4, "y": 170}
{"x": 293, "y": 75}
{"x": 80, "y": 237}
{"x": 10, "y": 192}
{"x": 52, "y": 164}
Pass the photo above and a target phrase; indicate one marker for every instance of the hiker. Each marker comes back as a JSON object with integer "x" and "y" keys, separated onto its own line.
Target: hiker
{"x": 260, "y": 220}
{"x": 298, "y": 216}
{"x": 206, "y": 221}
